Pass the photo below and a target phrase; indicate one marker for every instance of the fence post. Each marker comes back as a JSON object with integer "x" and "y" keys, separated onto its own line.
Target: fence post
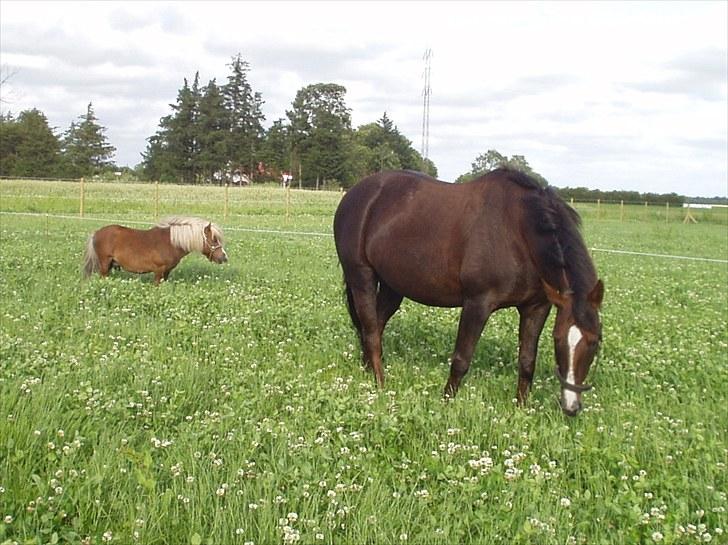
{"x": 667, "y": 211}
{"x": 225, "y": 209}
{"x": 80, "y": 211}
{"x": 621, "y": 210}
{"x": 288, "y": 202}
{"x": 599, "y": 208}
{"x": 156, "y": 200}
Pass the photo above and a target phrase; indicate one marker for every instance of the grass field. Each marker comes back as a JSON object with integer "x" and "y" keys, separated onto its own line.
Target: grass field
{"x": 228, "y": 405}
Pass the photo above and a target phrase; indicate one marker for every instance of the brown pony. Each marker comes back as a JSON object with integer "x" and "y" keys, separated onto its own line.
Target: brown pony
{"x": 156, "y": 250}
{"x": 499, "y": 241}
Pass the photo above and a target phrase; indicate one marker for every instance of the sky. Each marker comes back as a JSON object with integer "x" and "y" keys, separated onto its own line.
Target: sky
{"x": 605, "y": 95}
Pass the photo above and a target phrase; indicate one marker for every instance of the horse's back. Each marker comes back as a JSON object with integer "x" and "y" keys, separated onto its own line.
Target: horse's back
{"x": 432, "y": 241}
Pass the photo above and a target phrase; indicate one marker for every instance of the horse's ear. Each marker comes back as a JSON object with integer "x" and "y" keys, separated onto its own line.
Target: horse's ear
{"x": 596, "y": 295}
{"x": 208, "y": 228}
{"x": 554, "y": 296}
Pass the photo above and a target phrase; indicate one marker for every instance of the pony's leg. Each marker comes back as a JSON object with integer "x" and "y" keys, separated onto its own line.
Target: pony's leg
{"x": 362, "y": 285}
{"x": 105, "y": 264}
{"x": 472, "y": 321}
{"x": 533, "y": 318}
{"x": 388, "y": 302}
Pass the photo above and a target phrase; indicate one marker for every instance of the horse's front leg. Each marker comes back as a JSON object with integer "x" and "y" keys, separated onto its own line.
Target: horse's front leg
{"x": 472, "y": 321}
{"x": 533, "y": 318}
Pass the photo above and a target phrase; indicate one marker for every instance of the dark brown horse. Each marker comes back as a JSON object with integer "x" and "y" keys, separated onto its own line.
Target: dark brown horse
{"x": 499, "y": 241}
{"x": 156, "y": 250}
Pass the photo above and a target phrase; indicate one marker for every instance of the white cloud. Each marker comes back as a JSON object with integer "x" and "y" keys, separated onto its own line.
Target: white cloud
{"x": 628, "y": 95}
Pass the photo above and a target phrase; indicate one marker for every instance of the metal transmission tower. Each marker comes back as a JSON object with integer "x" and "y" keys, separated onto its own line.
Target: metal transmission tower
{"x": 426, "y": 92}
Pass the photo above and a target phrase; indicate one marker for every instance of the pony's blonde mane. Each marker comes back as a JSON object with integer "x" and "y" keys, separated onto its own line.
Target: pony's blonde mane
{"x": 188, "y": 233}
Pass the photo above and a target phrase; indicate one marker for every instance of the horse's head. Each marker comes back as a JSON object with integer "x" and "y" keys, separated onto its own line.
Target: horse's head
{"x": 213, "y": 249}
{"x": 577, "y": 334}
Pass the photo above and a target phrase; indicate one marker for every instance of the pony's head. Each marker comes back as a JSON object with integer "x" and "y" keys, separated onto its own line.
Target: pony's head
{"x": 196, "y": 234}
{"x": 213, "y": 247}
{"x": 577, "y": 335}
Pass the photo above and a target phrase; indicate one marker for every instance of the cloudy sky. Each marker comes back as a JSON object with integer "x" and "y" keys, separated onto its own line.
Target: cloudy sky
{"x": 606, "y": 95}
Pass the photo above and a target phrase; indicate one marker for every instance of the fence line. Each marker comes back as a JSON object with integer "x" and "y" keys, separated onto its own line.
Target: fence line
{"x": 666, "y": 256}
{"x": 602, "y": 209}
{"x": 328, "y": 235}
{"x": 133, "y": 222}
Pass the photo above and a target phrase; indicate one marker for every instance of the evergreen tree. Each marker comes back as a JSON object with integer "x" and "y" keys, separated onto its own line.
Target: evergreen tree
{"x": 173, "y": 153}
{"x": 245, "y": 117}
{"x": 9, "y": 140}
{"x": 180, "y": 133}
{"x": 276, "y": 150}
{"x": 85, "y": 148}
{"x": 38, "y": 148}
{"x": 382, "y": 147}
{"x": 212, "y": 130}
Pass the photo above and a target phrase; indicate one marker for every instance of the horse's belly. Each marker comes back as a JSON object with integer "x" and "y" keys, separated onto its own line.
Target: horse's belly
{"x": 431, "y": 284}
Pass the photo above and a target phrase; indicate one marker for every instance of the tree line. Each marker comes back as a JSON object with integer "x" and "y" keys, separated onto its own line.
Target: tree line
{"x": 215, "y": 134}
{"x": 492, "y": 159}
{"x": 29, "y": 147}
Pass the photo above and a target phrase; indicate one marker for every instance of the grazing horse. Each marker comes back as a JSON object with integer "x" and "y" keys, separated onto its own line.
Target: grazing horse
{"x": 156, "y": 250}
{"x": 498, "y": 241}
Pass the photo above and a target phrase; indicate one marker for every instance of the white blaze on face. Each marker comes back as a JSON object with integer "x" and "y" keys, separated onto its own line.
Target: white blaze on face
{"x": 570, "y": 400}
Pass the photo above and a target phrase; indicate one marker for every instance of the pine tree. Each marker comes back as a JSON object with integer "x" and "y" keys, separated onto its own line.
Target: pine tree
{"x": 245, "y": 116}
{"x": 181, "y": 135}
{"x": 38, "y": 151}
{"x": 85, "y": 148}
{"x": 213, "y": 130}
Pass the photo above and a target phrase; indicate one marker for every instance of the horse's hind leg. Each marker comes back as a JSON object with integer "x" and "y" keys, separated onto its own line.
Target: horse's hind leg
{"x": 388, "y": 302}
{"x": 362, "y": 289}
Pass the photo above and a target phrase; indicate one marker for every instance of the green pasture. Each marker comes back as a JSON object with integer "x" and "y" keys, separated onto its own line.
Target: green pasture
{"x": 228, "y": 405}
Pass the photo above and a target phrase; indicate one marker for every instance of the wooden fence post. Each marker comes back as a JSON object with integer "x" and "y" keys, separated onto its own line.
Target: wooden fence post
{"x": 621, "y": 210}
{"x": 80, "y": 211}
{"x": 227, "y": 196}
{"x": 156, "y": 200}
{"x": 288, "y": 202}
{"x": 667, "y": 212}
{"x": 599, "y": 208}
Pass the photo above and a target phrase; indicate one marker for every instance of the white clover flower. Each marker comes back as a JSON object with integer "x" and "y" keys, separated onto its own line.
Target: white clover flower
{"x": 565, "y": 502}
{"x": 8, "y": 519}
{"x": 108, "y": 536}
{"x": 657, "y": 536}
{"x": 403, "y": 536}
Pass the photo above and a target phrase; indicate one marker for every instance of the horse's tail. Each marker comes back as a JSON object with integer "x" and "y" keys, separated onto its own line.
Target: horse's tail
{"x": 90, "y": 259}
{"x": 351, "y": 308}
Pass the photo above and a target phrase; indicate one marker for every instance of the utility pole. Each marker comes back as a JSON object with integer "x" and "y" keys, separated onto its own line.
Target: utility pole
{"x": 426, "y": 92}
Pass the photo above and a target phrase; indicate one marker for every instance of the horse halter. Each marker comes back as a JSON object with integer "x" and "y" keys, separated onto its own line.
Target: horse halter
{"x": 212, "y": 247}
{"x": 566, "y": 385}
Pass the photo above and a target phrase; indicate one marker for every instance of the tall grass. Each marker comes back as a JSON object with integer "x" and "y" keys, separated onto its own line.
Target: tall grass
{"x": 228, "y": 405}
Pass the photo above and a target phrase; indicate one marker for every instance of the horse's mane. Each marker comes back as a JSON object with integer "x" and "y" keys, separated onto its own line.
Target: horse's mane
{"x": 188, "y": 233}
{"x": 552, "y": 229}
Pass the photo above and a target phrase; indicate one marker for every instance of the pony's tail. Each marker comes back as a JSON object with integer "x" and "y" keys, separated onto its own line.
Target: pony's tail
{"x": 90, "y": 259}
